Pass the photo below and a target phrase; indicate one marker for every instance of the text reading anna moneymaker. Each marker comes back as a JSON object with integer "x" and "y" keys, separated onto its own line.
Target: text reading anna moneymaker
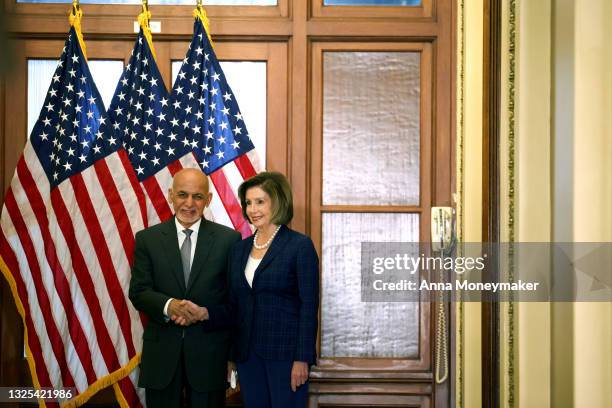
{"x": 407, "y": 272}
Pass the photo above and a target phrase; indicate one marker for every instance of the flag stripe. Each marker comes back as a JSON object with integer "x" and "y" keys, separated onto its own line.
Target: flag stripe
{"x": 55, "y": 338}
{"x": 62, "y": 288}
{"x": 33, "y": 342}
{"x": 189, "y": 161}
{"x": 129, "y": 392}
{"x": 245, "y": 167}
{"x": 87, "y": 247}
{"x": 122, "y": 222}
{"x": 255, "y": 161}
{"x": 216, "y": 209}
{"x": 164, "y": 181}
{"x": 84, "y": 278}
{"x": 121, "y": 256}
{"x": 234, "y": 178}
{"x": 130, "y": 192}
{"x": 152, "y": 216}
{"x": 131, "y": 176}
{"x": 230, "y": 203}
{"x": 134, "y": 202}
{"x": 175, "y": 167}
{"x": 117, "y": 355}
{"x": 77, "y": 297}
{"x": 34, "y": 311}
{"x": 108, "y": 270}
{"x": 140, "y": 391}
{"x": 157, "y": 198}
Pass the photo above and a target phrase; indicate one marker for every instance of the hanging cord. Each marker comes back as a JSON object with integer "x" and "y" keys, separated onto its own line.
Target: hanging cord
{"x": 143, "y": 20}
{"x": 200, "y": 13}
{"x": 441, "y": 341}
{"x": 75, "y": 21}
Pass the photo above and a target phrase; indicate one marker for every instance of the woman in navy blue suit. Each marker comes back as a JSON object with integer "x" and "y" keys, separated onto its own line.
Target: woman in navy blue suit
{"x": 274, "y": 289}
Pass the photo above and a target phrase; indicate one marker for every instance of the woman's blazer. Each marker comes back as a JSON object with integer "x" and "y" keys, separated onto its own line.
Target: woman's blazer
{"x": 278, "y": 316}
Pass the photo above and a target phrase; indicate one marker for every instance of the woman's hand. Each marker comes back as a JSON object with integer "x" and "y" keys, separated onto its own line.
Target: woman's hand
{"x": 299, "y": 374}
{"x": 231, "y": 366}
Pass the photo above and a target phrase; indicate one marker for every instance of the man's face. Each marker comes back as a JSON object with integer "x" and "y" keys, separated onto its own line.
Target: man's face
{"x": 189, "y": 196}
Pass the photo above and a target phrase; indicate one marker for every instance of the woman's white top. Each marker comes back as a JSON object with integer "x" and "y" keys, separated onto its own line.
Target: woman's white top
{"x": 249, "y": 269}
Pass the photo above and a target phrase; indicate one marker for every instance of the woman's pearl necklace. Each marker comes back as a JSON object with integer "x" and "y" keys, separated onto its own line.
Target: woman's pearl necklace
{"x": 268, "y": 242}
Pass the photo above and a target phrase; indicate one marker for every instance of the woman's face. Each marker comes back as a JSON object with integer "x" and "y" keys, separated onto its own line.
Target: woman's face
{"x": 258, "y": 207}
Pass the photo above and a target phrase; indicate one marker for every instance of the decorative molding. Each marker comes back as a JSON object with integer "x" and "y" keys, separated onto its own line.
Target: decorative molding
{"x": 511, "y": 194}
{"x": 460, "y": 198}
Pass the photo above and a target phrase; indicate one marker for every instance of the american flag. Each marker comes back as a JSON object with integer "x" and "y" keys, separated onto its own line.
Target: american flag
{"x": 68, "y": 225}
{"x": 140, "y": 118}
{"x": 209, "y": 122}
{"x": 87, "y": 181}
{"x": 198, "y": 126}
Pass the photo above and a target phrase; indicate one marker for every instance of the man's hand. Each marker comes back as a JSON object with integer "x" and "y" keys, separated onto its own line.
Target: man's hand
{"x": 199, "y": 313}
{"x": 299, "y": 374}
{"x": 185, "y": 313}
{"x": 180, "y": 313}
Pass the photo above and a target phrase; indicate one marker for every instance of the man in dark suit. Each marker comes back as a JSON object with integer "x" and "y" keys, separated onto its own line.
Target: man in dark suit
{"x": 179, "y": 273}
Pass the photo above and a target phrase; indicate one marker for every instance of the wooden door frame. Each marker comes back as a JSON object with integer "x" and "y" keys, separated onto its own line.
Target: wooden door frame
{"x": 346, "y": 380}
{"x": 328, "y": 365}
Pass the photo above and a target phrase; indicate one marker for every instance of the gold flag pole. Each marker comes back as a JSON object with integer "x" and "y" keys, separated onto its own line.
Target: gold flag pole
{"x": 200, "y": 13}
{"x": 75, "y": 21}
{"x": 143, "y": 20}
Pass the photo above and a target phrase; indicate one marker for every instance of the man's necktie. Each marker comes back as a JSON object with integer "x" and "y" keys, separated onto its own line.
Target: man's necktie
{"x": 186, "y": 255}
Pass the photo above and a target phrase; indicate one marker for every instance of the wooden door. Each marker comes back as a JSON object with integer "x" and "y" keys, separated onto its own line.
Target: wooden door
{"x": 381, "y": 156}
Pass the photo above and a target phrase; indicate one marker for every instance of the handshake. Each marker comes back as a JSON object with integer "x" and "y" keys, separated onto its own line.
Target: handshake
{"x": 185, "y": 313}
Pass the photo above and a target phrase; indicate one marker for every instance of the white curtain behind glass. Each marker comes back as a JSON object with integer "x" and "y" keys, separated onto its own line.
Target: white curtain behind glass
{"x": 350, "y": 327}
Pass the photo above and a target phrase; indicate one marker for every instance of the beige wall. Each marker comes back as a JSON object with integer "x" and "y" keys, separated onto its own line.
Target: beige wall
{"x": 472, "y": 193}
{"x": 563, "y": 191}
{"x": 533, "y": 168}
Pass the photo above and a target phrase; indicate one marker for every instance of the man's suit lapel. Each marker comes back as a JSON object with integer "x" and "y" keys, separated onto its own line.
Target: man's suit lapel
{"x": 275, "y": 248}
{"x": 173, "y": 255}
{"x": 203, "y": 247}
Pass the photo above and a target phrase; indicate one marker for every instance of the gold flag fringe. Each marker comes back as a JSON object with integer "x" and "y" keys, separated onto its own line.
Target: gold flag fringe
{"x": 82, "y": 398}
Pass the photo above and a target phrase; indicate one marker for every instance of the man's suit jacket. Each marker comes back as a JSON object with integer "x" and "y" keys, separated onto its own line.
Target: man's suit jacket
{"x": 278, "y": 317}
{"x": 157, "y": 276}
